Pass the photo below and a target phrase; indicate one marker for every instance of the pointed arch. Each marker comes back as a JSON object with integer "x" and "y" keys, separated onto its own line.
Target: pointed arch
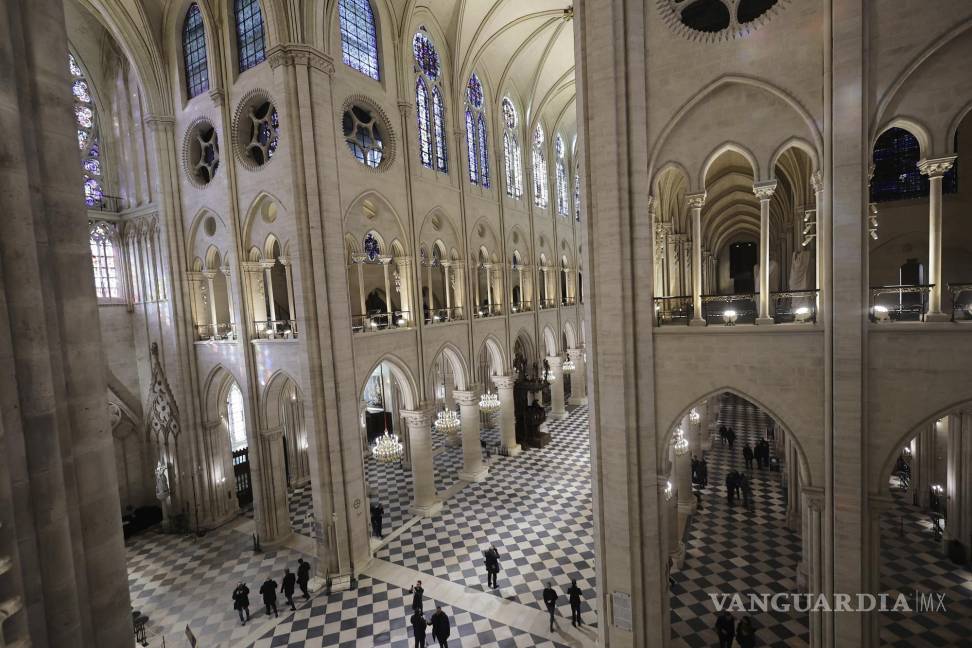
{"x": 460, "y": 371}
{"x": 403, "y": 376}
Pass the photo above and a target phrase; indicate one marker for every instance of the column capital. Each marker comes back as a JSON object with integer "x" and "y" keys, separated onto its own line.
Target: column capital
{"x": 420, "y": 418}
{"x": 816, "y": 181}
{"x": 695, "y": 200}
{"x": 555, "y": 361}
{"x": 937, "y": 167}
{"x": 814, "y": 497}
{"x": 252, "y": 266}
{"x": 288, "y": 54}
{"x": 764, "y": 189}
{"x": 404, "y": 108}
{"x": 157, "y": 123}
{"x": 503, "y": 382}
{"x": 466, "y": 397}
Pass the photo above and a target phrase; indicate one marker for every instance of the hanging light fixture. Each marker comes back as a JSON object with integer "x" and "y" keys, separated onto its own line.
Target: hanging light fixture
{"x": 694, "y": 416}
{"x": 387, "y": 449}
{"x": 680, "y": 444}
{"x": 489, "y": 403}
{"x": 668, "y": 490}
{"x": 447, "y": 422}
{"x": 569, "y": 365}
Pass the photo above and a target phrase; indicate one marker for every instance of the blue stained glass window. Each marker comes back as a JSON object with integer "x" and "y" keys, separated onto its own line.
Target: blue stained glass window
{"x": 577, "y": 195}
{"x": 249, "y": 33}
{"x": 563, "y": 200}
{"x": 474, "y": 91}
{"x": 438, "y": 120}
{"x": 359, "y": 38}
{"x": 371, "y": 246}
{"x": 483, "y": 153}
{"x": 194, "y": 52}
{"x": 896, "y": 174}
{"x": 86, "y": 121}
{"x": 424, "y": 122}
{"x": 426, "y": 56}
{"x": 471, "y": 147}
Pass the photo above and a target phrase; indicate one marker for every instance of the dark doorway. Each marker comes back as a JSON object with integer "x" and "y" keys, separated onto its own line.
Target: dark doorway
{"x": 742, "y": 259}
{"x": 286, "y": 460}
{"x": 911, "y": 305}
{"x": 241, "y": 471}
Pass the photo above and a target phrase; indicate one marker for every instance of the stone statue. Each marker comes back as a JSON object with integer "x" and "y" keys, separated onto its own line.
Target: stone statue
{"x": 161, "y": 481}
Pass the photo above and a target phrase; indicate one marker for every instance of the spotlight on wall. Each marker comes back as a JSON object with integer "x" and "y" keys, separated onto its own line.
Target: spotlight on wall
{"x": 872, "y": 221}
{"x": 881, "y": 313}
{"x": 730, "y": 316}
{"x": 668, "y": 490}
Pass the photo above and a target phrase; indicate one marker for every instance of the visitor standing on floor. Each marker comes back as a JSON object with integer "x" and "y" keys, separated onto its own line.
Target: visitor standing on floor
{"x": 440, "y": 627}
{"x": 726, "y": 629}
{"x": 550, "y": 599}
{"x": 746, "y": 633}
{"x": 417, "y": 592}
{"x": 731, "y": 437}
{"x": 303, "y": 576}
{"x": 574, "y": 596}
{"x": 704, "y": 472}
{"x": 747, "y": 492}
{"x": 730, "y": 486}
{"x": 491, "y": 560}
{"x": 289, "y": 584}
{"x": 419, "y": 624}
{"x": 748, "y": 455}
{"x": 269, "y": 592}
{"x": 241, "y": 602}
{"x": 377, "y": 518}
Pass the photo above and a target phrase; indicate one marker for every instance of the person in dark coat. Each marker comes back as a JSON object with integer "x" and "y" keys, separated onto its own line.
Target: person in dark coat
{"x": 377, "y": 518}
{"x": 726, "y": 629}
{"x": 440, "y": 627}
{"x": 737, "y": 483}
{"x": 289, "y": 584}
{"x": 417, "y": 591}
{"x": 491, "y": 559}
{"x": 241, "y": 601}
{"x": 419, "y": 624}
{"x": 704, "y": 472}
{"x": 731, "y": 437}
{"x": 746, "y": 633}
{"x": 747, "y": 493}
{"x": 550, "y": 599}
{"x": 574, "y": 595}
{"x": 722, "y": 435}
{"x": 695, "y": 470}
{"x": 269, "y": 592}
{"x": 748, "y": 455}
{"x": 303, "y": 576}
{"x": 730, "y": 490}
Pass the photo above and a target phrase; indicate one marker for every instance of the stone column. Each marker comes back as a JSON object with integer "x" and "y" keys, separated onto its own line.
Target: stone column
{"x": 676, "y": 548}
{"x": 695, "y": 202}
{"x": 446, "y": 289}
{"x": 813, "y": 551}
{"x": 792, "y": 485}
{"x": 557, "y": 410}
{"x": 578, "y": 379}
{"x": 953, "y": 482}
{"x": 388, "y": 302}
{"x": 816, "y": 181}
{"x": 419, "y": 424}
{"x": 213, "y": 323}
{"x": 473, "y": 469}
{"x": 923, "y": 466}
{"x": 764, "y": 191}
{"x": 935, "y": 169}
{"x": 507, "y": 420}
{"x": 876, "y": 506}
{"x": 274, "y": 523}
{"x": 683, "y": 478}
{"x": 288, "y": 271}
{"x": 964, "y": 487}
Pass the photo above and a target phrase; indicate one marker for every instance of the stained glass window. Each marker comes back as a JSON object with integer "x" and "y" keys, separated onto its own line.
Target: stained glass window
{"x": 540, "y": 191}
{"x": 371, "y": 246}
{"x": 476, "y": 142}
{"x": 249, "y": 33}
{"x": 363, "y": 136}
{"x": 359, "y": 38}
{"x": 563, "y": 200}
{"x": 101, "y": 236}
{"x": 896, "y": 174}
{"x": 577, "y": 203}
{"x": 512, "y": 158}
{"x": 87, "y": 126}
{"x": 194, "y": 52}
{"x": 483, "y": 153}
{"x": 471, "y": 147}
{"x": 431, "y": 118}
{"x": 235, "y": 418}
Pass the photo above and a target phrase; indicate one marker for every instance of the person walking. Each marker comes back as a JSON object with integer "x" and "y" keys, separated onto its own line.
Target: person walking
{"x": 726, "y": 629}
{"x": 303, "y": 576}
{"x": 574, "y": 596}
{"x": 417, "y": 592}
{"x": 731, "y": 436}
{"x": 289, "y": 584}
{"x": 550, "y": 599}
{"x": 377, "y": 518}
{"x": 746, "y": 633}
{"x": 747, "y": 493}
{"x": 748, "y": 455}
{"x": 440, "y": 627}
{"x": 241, "y": 602}
{"x": 269, "y": 592}
{"x": 419, "y": 624}
{"x": 491, "y": 559}
{"x": 730, "y": 486}
{"x": 704, "y": 472}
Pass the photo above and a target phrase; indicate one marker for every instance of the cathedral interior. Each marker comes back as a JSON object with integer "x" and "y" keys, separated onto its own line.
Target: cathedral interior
{"x": 669, "y": 302}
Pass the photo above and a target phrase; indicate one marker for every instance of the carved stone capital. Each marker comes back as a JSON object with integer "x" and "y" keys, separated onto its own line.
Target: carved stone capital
{"x": 937, "y": 167}
{"x": 764, "y": 190}
{"x": 696, "y": 200}
{"x": 466, "y": 397}
{"x": 814, "y": 498}
{"x": 555, "y": 362}
{"x": 503, "y": 382}
{"x": 404, "y": 108}
{"x": 217, "y": 95}
{"x": 297, "y": 54}
{"x": 420, "y": 419}
{"x": 816, "y": 181}
{"x": 157, "y": 123}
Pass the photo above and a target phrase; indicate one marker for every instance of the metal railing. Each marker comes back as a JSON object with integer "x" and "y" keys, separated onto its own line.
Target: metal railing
{"x": 794, "y": 306}
{"x": 729, "y": 309}
{"x": 521, "y": 307}
{"x": 215, "y": 332}
{"x": 275, "y": 329}
{"x": 673, "y": 310}
{"x": 380, "y": 321}
{"x": 900, "y": 303}
{"x": 961, "y": 301}
{"x": 107, "y": 203}
{"x": 442, "y": 315}
{"x": 567, "y": 301}
{"x": 548, "y": 303}
{"x": 488, "y": 310}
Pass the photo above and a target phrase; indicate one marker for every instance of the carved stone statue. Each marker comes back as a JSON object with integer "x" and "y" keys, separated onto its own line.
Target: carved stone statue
{"x": 161, "y": 481}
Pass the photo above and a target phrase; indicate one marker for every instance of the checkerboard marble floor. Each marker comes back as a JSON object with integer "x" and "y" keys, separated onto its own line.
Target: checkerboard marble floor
{"x": 536, "y": 509}
{"x": 377, "y": 614}
{"x": 731, "y": 550}
{"x": 912, "y": 560}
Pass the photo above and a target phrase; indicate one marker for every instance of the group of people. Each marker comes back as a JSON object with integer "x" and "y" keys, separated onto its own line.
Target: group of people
{"x": 727, "y": 434}
{"x": 736, "y": 484}
{"x": 728, "y": 630}
{"x": 761, "y": 453}
{"x": 291, "y": 581}
{"x": 439, "y": 620}
{"x": 700, "y": 471}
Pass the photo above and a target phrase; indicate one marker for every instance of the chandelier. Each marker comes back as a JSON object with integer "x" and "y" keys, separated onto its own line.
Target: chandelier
{"x": 680, "y": 443}
{"x": 668, "y": 490}
{"x": 387, "y": 449}
{"x": 447, "y": 421}
{"x": 694, "y": 416}
{"x": 489, "y": 403}
{"x": 569, "y": 366}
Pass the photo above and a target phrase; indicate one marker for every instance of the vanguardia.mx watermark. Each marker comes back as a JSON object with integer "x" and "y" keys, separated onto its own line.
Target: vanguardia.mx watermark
{"x": 797, "y": 602}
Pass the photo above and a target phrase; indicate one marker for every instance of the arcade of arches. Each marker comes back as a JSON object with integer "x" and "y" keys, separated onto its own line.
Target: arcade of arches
{"x": 376, "y": 284}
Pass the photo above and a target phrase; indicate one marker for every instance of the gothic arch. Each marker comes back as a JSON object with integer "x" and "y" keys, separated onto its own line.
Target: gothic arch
{"x": 276, "y": 391}
{"x": 550, "y": 341}
{"x": 449, "y": 353}
{"x": 402, "y": 374}
{"x": 571, "y": 336}
{"x": 910, "y": 124}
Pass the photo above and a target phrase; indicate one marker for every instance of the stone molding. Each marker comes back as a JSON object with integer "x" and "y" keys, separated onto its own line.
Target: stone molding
{"x": 503, "y": 382}
{"x": 765, "y": 189}
{"x": 937, "y": 167}
{"x": 289, "y": 54}
{"x": 696, "y": 200}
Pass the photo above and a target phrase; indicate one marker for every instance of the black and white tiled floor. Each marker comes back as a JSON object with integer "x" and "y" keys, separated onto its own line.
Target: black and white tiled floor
{"x": 729, "y": 549}
{"x": 912, "y": 560}
{"x": 536, "y": 509}
{"x": 377, "y": 614}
